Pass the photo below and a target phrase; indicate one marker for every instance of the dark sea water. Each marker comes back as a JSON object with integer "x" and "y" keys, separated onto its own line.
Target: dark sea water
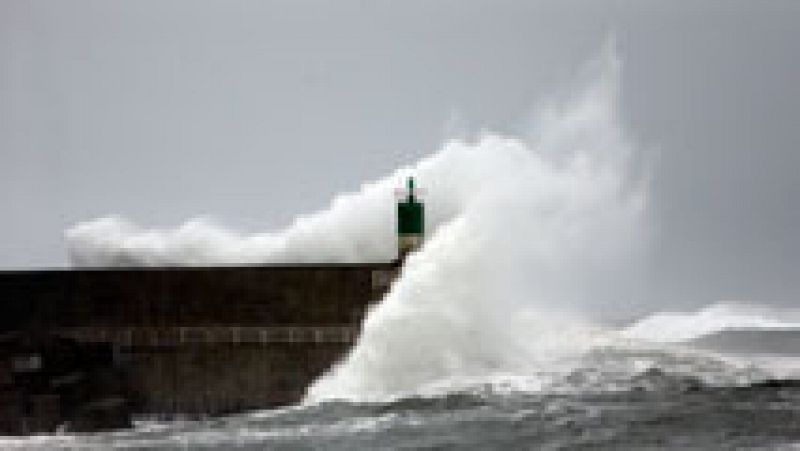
{"x": 670, "y": 400}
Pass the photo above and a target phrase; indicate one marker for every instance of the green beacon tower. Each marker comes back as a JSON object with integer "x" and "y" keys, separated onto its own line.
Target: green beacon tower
{"x": 410, "y": 222}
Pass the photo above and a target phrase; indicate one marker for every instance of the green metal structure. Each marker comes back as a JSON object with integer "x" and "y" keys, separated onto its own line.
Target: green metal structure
{"x": 410, "y": 221}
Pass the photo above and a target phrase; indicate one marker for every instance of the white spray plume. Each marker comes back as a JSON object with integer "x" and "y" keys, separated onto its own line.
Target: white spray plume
{"x": 548, "y": 225}
{"x": 522, "y": 235}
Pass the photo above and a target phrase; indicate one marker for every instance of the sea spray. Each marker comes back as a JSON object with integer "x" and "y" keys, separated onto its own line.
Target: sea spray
{"x": 525, "y": 237}
{"x": 500, "y": 289}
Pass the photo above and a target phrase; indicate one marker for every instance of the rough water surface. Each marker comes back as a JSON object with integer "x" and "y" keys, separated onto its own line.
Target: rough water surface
{"x": 616, "y": 398}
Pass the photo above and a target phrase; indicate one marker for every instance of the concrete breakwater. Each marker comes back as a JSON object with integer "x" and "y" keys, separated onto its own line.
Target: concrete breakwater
{"x": 172, "y": 341}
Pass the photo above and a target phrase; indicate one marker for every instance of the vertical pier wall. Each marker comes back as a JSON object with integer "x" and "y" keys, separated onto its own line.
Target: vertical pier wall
{"x": 194, "y": 341}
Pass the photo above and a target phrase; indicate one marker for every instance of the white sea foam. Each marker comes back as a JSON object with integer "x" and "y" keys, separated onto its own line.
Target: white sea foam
{"x": 676, "y": 327}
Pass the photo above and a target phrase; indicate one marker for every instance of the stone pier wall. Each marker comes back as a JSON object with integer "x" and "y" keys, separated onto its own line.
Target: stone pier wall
{"x": 199, "y": 341}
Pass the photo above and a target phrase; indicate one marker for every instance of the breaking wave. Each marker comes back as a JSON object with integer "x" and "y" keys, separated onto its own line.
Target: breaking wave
{"x": 528, "y": 237}
{"x": 503, "y": 288}
{"x": 675, "y": 327}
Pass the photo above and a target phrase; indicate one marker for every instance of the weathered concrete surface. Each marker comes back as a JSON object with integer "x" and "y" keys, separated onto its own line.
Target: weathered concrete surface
{"x": 153, "y": 297}
{"x": 195, "y": 341}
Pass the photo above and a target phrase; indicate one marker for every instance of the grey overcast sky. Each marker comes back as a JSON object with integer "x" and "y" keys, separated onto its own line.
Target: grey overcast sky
{"x": 255, "y": 111}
